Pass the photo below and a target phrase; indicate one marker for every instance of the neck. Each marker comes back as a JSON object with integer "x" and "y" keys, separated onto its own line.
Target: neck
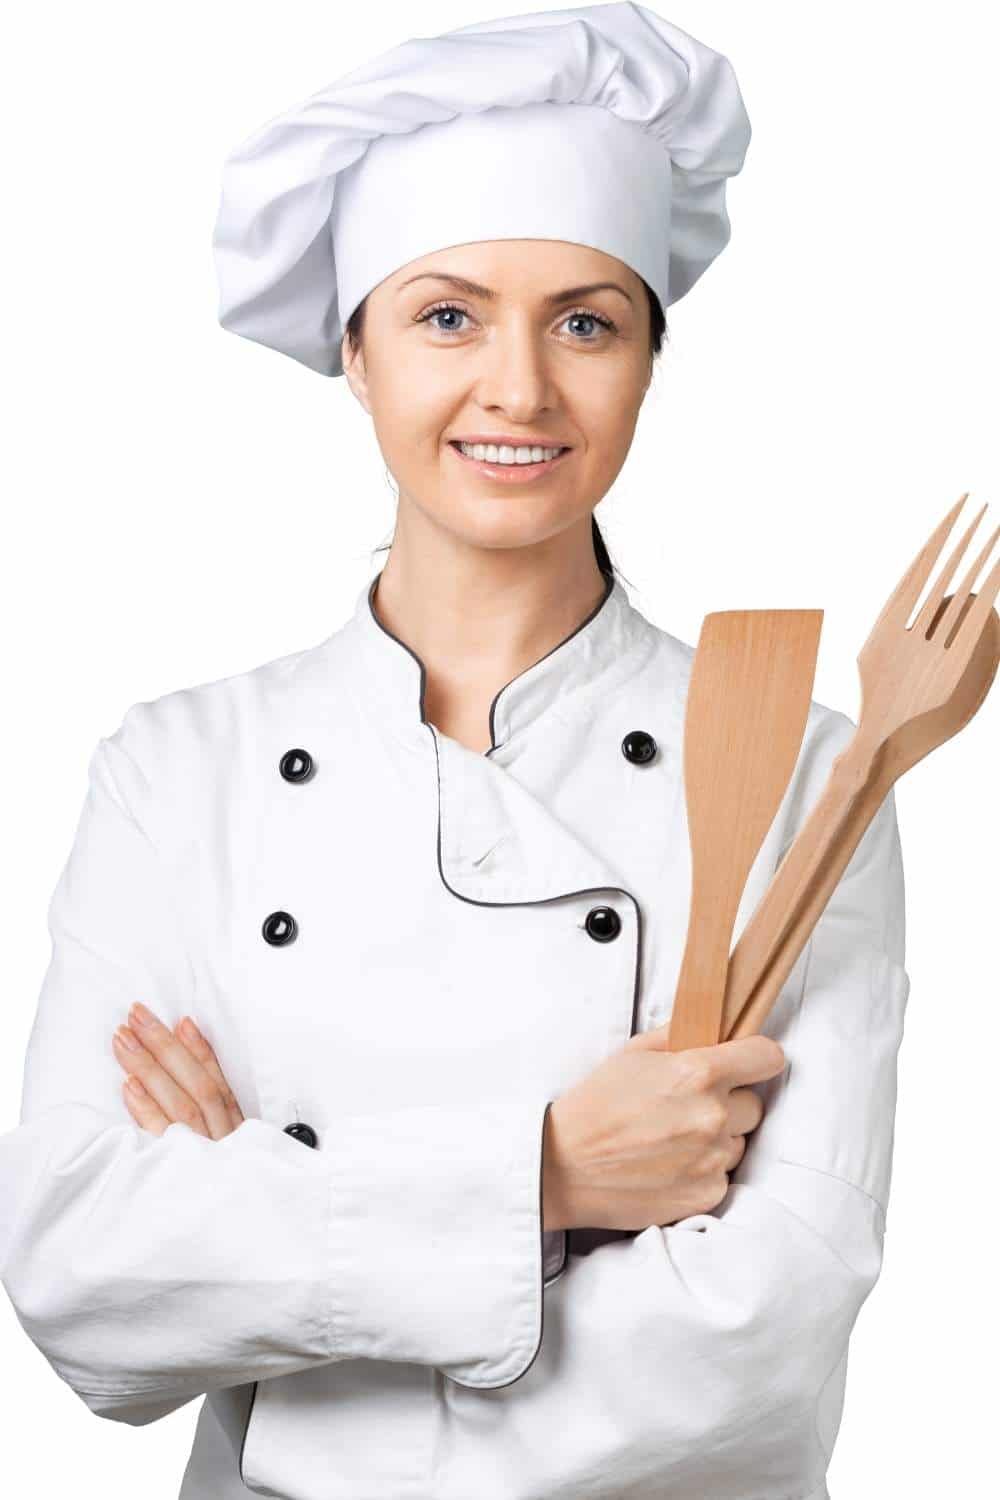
{"x": 477, "y": 617}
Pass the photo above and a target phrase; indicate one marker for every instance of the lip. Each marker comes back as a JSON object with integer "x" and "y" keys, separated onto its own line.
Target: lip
{"x": 510, "y": 473}
{"x": 509, "y": 440}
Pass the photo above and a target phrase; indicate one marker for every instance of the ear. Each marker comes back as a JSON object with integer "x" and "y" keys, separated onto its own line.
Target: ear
{"x": 353, "y": 362}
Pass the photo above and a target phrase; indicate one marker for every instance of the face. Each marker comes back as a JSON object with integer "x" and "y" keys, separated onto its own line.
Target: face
{"x": 506, "y": 349}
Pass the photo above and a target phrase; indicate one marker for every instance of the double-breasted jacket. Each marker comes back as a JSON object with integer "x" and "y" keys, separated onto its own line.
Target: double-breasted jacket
{"x": 402, "y": 952}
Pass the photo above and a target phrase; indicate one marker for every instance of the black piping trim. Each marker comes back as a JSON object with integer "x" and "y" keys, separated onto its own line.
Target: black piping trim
{"x": 609, "y": 585}
{"x": 603, "y": 1234}
{"x": 599, "y": 1235}
{"x": 246, "y": 1431}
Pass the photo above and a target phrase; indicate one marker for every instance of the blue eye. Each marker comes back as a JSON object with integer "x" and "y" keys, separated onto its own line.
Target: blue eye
{"x": 435, "y": 312}
{"x": 581, "y": 312}
{"x": 593, "y": 317}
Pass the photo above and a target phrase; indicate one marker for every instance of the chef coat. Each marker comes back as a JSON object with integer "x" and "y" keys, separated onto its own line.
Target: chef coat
{"x": 403, "y": 951}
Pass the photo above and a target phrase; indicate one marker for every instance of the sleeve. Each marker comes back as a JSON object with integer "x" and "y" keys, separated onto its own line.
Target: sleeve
{"x": 151, "y": 1269}
{"x": 707, "y": 1357}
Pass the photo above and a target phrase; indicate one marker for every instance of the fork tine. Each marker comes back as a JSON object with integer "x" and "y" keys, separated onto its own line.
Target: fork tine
{"x": 903, "y": 597}
{"x": 945, "y": 627}
{"x": 971, "y": 628}
{"x": 925, "y": 621}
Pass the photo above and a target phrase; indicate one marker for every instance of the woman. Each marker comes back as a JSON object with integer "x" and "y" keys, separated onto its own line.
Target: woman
{"x": 425, "y": 884}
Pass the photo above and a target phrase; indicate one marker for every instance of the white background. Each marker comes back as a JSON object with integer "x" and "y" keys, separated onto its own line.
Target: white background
{"x": 180, "y": 504}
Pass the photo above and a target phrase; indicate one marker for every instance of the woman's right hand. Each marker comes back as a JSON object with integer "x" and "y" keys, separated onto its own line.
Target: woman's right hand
{"x": 651, "y": 1135}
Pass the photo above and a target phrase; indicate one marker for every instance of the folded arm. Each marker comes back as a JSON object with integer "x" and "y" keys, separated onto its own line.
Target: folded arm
{"x": 150, "y": 1269}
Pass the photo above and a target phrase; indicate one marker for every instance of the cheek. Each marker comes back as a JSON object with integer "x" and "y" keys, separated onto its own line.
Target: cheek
{"x": 606, "y": 404}
{"x": 410, "y": 416}
{"x": 609, "y": 427}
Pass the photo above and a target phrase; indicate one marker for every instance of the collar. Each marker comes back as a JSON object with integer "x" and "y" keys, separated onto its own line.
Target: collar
{"x": 601, "y": 651}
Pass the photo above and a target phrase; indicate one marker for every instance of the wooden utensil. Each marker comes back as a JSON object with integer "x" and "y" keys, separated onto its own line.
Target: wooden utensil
{"x": 747, "y": 705}
{"x": 920, "y": 685}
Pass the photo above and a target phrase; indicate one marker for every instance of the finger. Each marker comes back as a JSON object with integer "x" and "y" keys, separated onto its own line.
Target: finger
{"x": 161, "y": 1087}
{"x": 745, "y": 1111}
{"x": 143, "y": 1108}
{"x": 200, "y": 1049}
{"x": 205, "y": 1084}
{"x": 749, "y": 1059}
{"x": 739, "y": 1146}
{"x": 175, "y": 1079}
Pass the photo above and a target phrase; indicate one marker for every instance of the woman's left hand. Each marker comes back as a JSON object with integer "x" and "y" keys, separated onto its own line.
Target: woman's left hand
{"x": 179, "y": 1077}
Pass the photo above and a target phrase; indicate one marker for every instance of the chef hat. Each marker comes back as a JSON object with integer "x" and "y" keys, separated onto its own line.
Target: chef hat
{"x": 603, "y": 125}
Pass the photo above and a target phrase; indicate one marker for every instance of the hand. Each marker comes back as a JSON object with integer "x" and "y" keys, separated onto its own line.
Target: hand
{"x": 179, "y": 1076}
{"x": 651, "y": 1135}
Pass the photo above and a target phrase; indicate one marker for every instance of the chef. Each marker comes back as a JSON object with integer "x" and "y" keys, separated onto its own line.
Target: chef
{"x": 425, "y": 884}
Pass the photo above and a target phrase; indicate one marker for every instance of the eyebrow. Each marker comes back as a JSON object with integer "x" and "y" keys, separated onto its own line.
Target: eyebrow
{"x": 473, "y": 288}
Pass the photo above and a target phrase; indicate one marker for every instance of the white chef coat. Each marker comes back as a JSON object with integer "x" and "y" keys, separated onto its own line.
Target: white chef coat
{"x": 356, "y": 1279}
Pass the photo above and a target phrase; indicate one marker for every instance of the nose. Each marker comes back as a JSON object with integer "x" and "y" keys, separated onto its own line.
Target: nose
{"x": 516, "y": 377}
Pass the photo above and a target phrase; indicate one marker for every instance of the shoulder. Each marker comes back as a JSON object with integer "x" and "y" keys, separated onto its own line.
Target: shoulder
{"x": 658, "y": 692}
{"x": 191, "y": 715}
{"x": 873, "y": 874}
{"x": 664, "y": 678}
{"x": 171, "y": 752}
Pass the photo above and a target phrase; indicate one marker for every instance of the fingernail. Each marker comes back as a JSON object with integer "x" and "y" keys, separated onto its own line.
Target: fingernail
{"x": 134, "y": 1086}
{"x": 127, "y": 1039}
{"x": 142, "y": 1015}
{"x": 190, "y": 1030}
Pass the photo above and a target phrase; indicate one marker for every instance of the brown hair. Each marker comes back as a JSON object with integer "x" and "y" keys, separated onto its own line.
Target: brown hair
{"x": 657, "y": 333}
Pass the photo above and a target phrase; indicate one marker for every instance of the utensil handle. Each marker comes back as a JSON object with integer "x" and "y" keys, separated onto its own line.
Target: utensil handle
{"x": 696, "y": 1017}
{"x": 802, "y": 885}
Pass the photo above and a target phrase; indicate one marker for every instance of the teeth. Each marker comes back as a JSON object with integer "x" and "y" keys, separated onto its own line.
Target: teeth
{"x": 504, "y": 454}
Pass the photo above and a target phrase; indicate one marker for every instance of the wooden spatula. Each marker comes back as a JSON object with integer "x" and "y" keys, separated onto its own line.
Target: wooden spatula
{"x": 747, "y": 706}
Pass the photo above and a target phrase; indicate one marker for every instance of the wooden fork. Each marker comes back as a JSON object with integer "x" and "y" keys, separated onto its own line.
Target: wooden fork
{"x": 908, "y": 674}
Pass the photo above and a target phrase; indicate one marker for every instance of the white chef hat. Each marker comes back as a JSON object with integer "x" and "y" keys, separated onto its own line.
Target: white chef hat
{"x": 603, "y": 125}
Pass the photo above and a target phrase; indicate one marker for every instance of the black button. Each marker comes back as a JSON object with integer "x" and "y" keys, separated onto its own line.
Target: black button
{"x": 603, "y": 923}
{"x": 296, "y": 765}
{"x": 279, "y": 928}
{"x": 638, "y": 747}
{"x": 300, "y": 1131}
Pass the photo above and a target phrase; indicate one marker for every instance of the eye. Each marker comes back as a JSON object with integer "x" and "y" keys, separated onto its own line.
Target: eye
{"x": 436, "y": 311}
{"x": 589, "y": 315}
{"x": 586, "y": 313}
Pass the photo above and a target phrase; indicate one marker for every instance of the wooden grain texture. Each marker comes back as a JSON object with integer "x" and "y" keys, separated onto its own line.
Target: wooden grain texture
{"x": 747, "y": 706}
{"x": 920, "y": 685}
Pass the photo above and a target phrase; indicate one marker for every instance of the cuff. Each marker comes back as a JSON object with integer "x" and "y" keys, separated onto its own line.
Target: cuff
{"x": 436, "y": 1253}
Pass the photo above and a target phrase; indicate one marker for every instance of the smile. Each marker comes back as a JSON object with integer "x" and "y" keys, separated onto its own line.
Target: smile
{"x": 510, "y": 472}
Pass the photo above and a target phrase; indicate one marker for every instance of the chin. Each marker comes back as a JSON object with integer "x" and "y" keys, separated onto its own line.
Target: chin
{"x": 511, "y": 533}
